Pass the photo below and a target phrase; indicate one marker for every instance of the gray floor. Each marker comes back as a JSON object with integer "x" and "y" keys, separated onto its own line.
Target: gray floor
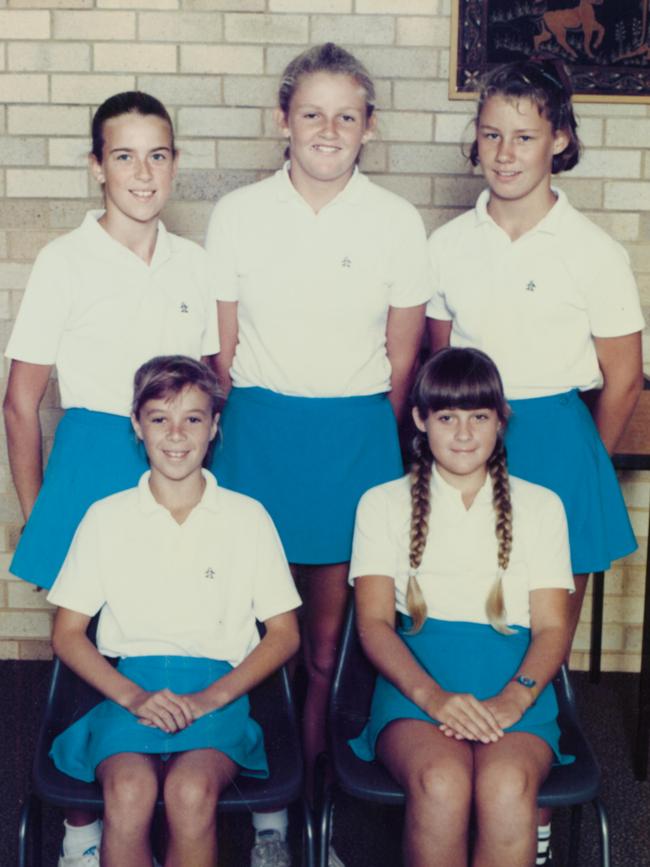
{"x": 364, "y": 836}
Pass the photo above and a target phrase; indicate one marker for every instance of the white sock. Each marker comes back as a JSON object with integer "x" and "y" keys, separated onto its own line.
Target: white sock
{"x": 78, "y": 838}
{"x": 277, "y": 821}
{"x": 543, "y": 843}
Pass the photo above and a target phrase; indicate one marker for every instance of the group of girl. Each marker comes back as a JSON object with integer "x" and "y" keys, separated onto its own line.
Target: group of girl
{"x": 462, "y": 575}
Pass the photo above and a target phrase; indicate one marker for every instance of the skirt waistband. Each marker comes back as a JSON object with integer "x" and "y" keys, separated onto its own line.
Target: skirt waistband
{"x": 92, "y": 418}
{"x": 459, "y": 628}
{"x": 546, "y": 402}
{"x": 292, "y": 401}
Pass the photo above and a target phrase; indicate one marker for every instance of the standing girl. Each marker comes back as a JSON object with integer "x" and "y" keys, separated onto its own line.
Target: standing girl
{"x": 100, "y": 301}
{"x": 321, "y": 281}
{"x": 179, "y": 586}
{"x": 476, "y": 564}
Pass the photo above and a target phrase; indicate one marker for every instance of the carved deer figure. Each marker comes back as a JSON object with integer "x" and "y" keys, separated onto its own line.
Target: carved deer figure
{"x": 581, "y": 17}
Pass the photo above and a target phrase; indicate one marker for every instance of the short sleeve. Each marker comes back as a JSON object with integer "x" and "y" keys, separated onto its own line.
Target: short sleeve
{"x": 221, "y": 248}
{"x": 274, "y": 591}
{"x": 79, "y": 585}
{"x": 374, "y": 548}
{"x": 437, "y": 306}
{"x": 549, "y": 556}
{"x": 613, "y": 304}
{"x": 44, "y": 310}
{"x": 410, "y": 278}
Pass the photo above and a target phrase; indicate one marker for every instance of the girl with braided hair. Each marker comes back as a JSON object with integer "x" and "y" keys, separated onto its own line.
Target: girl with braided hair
{"x": 462, "y": 576}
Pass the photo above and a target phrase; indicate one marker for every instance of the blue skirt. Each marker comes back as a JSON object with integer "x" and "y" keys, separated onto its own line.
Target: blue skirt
{"x": 553, "y": 441}
{"x": 95, "y": 454}
{"x": 108, "y": 729}
{"x": 308, "y": 460}
{"x": 461, "y": 657}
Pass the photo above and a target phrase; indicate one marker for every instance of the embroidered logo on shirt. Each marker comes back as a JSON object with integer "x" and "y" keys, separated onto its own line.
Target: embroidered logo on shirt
{"x": 209, "y": 573}
{"x": 346, "y": 262}
{"x": 531, "y": 286}
{"x": 184, "y": 308}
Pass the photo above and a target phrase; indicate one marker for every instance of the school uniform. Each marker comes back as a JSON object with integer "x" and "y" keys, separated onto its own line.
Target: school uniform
{"x": 311, "y": 372}
{"x": 97, "y": 312}
{"x": 534, "y": 306}
{"x": 456, "y": 645}
{"x": 179, "y": 605}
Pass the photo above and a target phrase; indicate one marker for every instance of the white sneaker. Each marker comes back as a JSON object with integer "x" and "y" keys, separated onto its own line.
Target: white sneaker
{"x": 333, "y": 859}
{"x": 270, "y": 850}
{"x": 90, "y": 858}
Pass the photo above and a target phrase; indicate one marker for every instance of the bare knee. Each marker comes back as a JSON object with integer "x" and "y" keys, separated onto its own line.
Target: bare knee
{"x": 322, "y": 659}
{"x": 505, "y": 790}
{"x": 441, "y": 787}
{"x": 130, "y": 795}
{"x": 192, "y": 797}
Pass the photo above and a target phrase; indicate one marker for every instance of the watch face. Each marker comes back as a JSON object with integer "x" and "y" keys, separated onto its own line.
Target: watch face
{"x": 526, "y": 681}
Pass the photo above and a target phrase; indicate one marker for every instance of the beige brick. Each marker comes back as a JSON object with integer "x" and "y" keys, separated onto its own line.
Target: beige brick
{"x": 639, "y": 521}
{"x": 383, "y": 94}
{"x": 620, "y": 132}
{"x": 89, "y": 89}
{"x": 209, "y": 185}
{"x": 32, "y": 624}
{"x": 8, "y": 649}
{"x": 183, "y": 89}
{"x": 636, "y": 493}
{"x": 188, "y": 218}
{"x": 639, "y": 256}
{"x": 140, "y": 4}
{"x": 442, "y": 60}
{"x": 22, "y": 215}
{"x": 225, "y": 5}
{"x": 454, "y": 128}
{"x": 13, "y": 276}
{"x": 609, "y": 164}
{"x": 591, "y": 131}
{"x": 53, "y": 4}
{"x": 404, "y": 126}
{"x": 24, "y": 595}
{"x": 22, "y": 151}
{"x": 250, "y": 154}
{"x": 270, "y": 128}
{"x": 46, "y": 183}
{"x": 26, "y": 245}
{"x": 23, "y": 88}
{"x": 583, "y": 194}
{"x": 48, "y": 56}
{"x": 219, "y": 122}
{"x": 424, "y": 95}
{"x": 3, "y": 255}
{"x": 196, "y": 154}
{"x": 19, "y": 24}
{"x": 415, "y": 189}
{"x": 217, "y": 59}
{"x": 41, "y": 650}
{"x": 180, "y": 27}
{"x": 277, "y": 57}
{"x": 312, "y": 6}
{"x": 430, "y": 159}
{"x": 136, "y": 57}
{"x": 612, "y": 109}
{"x": 267, "y": 28}
{"x": 398, "y": 62}
{"x": 457, "y": 191}
{"x": 622, "y": 226}
{"x": 48, "y": 120}
{"x": 68, "y": 215}
{"x": 255, "y": 90}
{"x": 353, "y": 29}
{"x": 627, "y": 196}
{"x": 374, "y": 157}
{"x": 94, "y": 25}
{"x": 69, "y": 152}
{"x": 398, "y": 7}
{"x": 423, "y": 31}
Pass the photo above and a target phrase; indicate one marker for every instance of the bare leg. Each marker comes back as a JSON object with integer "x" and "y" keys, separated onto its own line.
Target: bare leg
{"x": 193, "y": 782}
{"x": 508, "y": 775}
{"x": 130, "y": 785}
{"x": 324, "y": 591}
{"x": 436, "y": 774}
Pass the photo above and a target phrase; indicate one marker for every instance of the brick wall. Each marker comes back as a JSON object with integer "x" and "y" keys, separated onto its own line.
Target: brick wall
{"x": 215, "y": 64}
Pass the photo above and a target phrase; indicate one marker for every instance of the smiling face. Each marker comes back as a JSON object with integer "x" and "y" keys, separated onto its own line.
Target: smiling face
{"x": 326, "y": 126}
{"x": 461, "y": 442}
{"x": 137, "y": 169}
{"x": 176, "y": 432}
{"x": 516, "y": 146}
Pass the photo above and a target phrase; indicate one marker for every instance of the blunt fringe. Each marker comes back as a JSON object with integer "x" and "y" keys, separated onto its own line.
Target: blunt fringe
{"x": 166, "y": 376}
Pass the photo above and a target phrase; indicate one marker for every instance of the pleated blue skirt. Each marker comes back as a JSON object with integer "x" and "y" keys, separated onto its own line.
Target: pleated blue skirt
{"x": 553, "y": 441}
{"x": 461, "y": 657}
{"x": 109, "y": 729}
{"x": 95, "y": 454}
{"x": 308, "y": 460}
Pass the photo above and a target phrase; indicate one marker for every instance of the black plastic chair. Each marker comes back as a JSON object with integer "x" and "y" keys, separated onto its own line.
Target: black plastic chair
{"x": 69, "y": 698}
{"x": 566, "y": 786}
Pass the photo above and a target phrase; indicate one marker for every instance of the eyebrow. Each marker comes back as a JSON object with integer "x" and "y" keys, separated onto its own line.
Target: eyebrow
{"x": 498, "y": 129}
{"x": 131, "y": 150}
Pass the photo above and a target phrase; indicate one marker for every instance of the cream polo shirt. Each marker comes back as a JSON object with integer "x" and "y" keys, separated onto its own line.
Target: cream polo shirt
{"x": 314, "y": 290}
{"x": 534, "y": 304}
{"x": 459, "y": 565}
{"x": 194, "y": 589}
{"x": 97, "y": 311}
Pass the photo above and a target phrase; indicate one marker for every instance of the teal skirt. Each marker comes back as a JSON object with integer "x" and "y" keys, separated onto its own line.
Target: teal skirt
{"x": 461, "y": 657}
{"x": 553, "y": 441}
{"x": 308, "y": 460}
{"x": 109, "y": 729}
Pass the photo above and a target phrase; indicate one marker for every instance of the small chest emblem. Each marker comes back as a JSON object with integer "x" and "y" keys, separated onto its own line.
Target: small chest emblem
{"x": 531, "y": 286}
{"x": 346, "y": 262}
{"x": 184, "y": 308}
{"x": 209, "y": 574}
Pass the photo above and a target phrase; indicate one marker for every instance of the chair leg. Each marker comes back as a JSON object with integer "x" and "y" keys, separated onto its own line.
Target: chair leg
{"x": 597, "y": 602}
{"x": 327, "y": 804}
{"x": 30, "y": 838}
{"x": 603, "y": 823}
{"x": 309, "y": 840}
{"x": 574, "y": 835}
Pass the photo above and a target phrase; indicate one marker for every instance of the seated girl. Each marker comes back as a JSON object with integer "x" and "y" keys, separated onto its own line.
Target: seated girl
{"x": 476, "y": 565}
{"x": 180, "y": 570}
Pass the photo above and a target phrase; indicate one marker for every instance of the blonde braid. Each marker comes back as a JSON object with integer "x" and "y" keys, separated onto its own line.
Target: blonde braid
{"x": 498, "y": 469}
{"x": 420, "y": 510}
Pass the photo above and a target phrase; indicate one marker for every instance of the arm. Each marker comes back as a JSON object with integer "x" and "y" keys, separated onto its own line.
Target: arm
{"x": 404, "y": 329}
{"x": 549, "y": 623}
{"x": 162, "y": 709}
{"x": 621, "y": 365}
{"x": 439, "y": 331}
{"x": 463, "y": 715}
{"x": 228, "y": 335}
{"x": 280, "y": 643}
{"x": 25, "y": 390}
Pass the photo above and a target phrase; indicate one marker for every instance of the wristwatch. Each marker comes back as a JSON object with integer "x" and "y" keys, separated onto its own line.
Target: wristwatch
{"x": 529, "y": 683}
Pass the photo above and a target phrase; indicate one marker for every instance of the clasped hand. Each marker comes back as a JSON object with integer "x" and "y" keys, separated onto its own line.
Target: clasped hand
{"x": 464, "y": 717}
{"x": 168, "y": 711}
